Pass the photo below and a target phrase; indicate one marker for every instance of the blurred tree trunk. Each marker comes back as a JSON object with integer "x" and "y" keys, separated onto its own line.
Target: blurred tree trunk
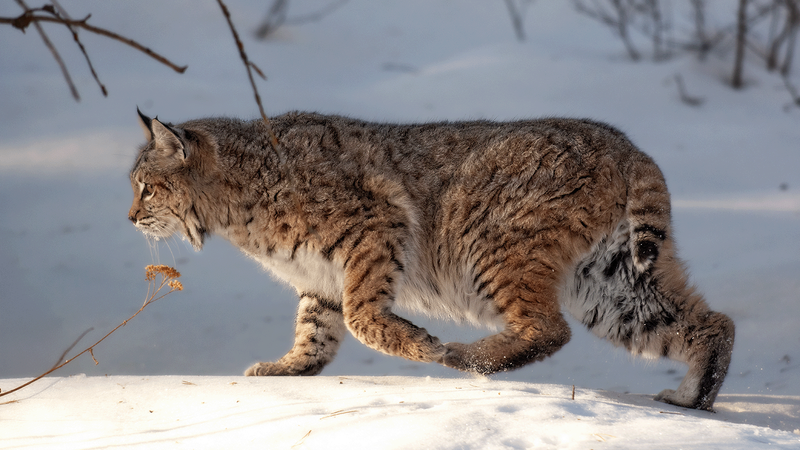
{"x": 704, "y": 43}
{"x": 741, "y": 38}
{"x": 793, "y": 26}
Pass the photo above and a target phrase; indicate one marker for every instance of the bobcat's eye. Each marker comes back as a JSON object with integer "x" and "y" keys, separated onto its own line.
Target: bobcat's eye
{"x": 148, "y": 191}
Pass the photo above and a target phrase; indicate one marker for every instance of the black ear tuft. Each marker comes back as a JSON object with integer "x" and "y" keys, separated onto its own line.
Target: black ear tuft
{"x": 147, "y": 125}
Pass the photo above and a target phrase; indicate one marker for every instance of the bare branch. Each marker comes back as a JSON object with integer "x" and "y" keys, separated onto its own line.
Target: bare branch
{"x": 63, "y": 12}
{"x": 54, "y": 52}
{"x": 278, "y": 15}
{"x": 792, "y": 91}
{"x": 516, "y": 13}
{"x": 704, "y": 42}
{"x": 249, "y": 65}
{"x": 26, "y": 19}
{"x": 258, "y": 71}
{"x": 317, "y": 15}
{"x": 619, "y": 20}
{"x": 793, "y": 23}
{"x": 718, "y": 36}
{"x": 660, "y": 27}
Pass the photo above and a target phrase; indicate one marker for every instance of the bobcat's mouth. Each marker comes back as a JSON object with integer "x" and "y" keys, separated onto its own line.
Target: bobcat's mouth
{"x": 155, "y": 229}
{"x": 158, "y": 230}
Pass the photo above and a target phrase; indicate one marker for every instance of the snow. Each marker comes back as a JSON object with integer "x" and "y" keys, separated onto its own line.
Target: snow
{"x": 374, "y": 412}
{"x": 70, "y": 260}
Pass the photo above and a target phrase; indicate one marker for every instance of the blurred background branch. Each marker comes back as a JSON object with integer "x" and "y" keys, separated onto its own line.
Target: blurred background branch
{"x": 765, "y": 29}
{"x": 55, "y": 13}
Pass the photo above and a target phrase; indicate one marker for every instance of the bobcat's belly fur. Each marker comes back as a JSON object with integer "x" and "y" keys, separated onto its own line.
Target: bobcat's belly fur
{"x": 448, "y": 298}
{"x": 500, "y": 224}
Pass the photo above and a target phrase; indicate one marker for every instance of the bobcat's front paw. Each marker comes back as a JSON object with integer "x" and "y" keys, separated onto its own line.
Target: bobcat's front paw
{"x": 431, "y": 350}
{"x": 265, "y": 369}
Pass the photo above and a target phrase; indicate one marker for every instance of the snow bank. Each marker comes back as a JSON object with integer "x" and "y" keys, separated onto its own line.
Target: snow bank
{"x": 372, "y": 413}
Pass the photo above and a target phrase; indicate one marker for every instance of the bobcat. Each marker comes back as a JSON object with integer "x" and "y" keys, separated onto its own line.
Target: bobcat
{"x": 500, "y": 224}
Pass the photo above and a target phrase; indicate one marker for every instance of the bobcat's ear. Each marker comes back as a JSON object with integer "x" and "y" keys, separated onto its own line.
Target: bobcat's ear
{"x": 146, "y": 124}
{"x": 167, "y": 141}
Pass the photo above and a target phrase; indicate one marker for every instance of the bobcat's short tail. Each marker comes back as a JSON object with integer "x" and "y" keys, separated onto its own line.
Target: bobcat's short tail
{"x": 648, "y": 210}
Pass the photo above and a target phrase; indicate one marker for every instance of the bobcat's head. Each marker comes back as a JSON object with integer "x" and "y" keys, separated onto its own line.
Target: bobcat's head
{"x": 164, "y": 180}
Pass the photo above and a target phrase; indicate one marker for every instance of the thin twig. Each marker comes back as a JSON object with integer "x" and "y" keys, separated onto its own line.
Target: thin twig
{"x": 54, "y": 52}
{"x": 792, "y": 90}
{"x": 26, "y": 19}
{"x": 317, "y": 15}
{"x": 168, "y": 278}
{"x": 62, "y": 12}
{"x": 91, "y": 353}
{"x": 277, "y": 16}
{"x": 338, "y": 413}
{"x": 300, "y": 442}
{"x": 64, "y": 355}
{"x": 516, "y": 19}
{"x": 249, "y": 65}
{"x": 618, "y": 22}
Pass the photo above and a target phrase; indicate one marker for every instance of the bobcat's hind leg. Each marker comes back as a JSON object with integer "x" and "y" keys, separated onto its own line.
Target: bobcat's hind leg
{"x": 652, "y": 311}
{"x": 520, "y": 343}
{"x": 704, "y": 340}
{"x": 535, "y": 328}
{"x": 684, "y": 330}
{"x": 319, "y": 329}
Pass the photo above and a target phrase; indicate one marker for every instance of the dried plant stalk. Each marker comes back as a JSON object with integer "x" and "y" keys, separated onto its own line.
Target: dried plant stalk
{"x": 158, "y": 278}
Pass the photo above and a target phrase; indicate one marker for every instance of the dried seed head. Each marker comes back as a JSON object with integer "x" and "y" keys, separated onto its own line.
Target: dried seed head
{"x": 169, "y": 272}
{"x": 152, "y": 270}
{"x": 175, "y": 285}
{"x": 149, "y": 273}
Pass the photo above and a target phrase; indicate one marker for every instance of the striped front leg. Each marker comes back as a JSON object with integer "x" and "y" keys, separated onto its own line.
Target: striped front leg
{"x": 318, "y": 331}
{"x": 371, "y": 273}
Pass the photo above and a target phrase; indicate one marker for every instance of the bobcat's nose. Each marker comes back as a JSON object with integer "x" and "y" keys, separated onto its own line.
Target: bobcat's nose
{"x": 132, "y": 215}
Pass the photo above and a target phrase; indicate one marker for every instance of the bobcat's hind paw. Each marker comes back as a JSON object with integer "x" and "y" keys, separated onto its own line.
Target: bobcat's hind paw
{"x": 671, "y": 397}
{"x": 454, "y": 357}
